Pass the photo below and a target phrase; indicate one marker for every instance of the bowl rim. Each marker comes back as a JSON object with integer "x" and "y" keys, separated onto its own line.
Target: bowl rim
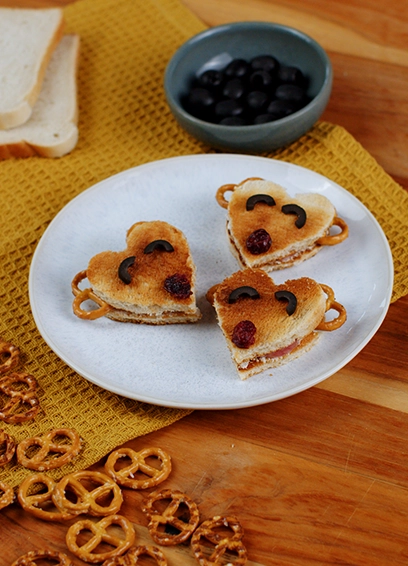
{"x": 214, "y": 30}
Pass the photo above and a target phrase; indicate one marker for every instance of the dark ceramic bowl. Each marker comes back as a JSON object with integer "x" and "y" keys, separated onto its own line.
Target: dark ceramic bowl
{"x": 215, "y": 48}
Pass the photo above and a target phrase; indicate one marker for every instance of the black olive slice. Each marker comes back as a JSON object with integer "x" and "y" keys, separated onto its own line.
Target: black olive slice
{"x": 290, "y": 297}
{"x": 254, "y": 199}
{"x": 123, "y": 272}
{"x": 158, "y": 244}
{"x": 298, "y": 210}
{"x": 244, "y": 291}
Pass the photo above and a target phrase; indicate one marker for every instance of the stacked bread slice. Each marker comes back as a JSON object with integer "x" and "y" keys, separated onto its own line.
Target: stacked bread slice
{"x": 38, "y": 90}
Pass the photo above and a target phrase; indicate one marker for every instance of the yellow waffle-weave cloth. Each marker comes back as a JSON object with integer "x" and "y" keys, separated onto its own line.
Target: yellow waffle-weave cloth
{"x": 124, "y": 122}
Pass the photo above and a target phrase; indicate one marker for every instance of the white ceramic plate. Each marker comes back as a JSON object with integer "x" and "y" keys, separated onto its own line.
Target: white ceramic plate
{"x": 189, "y": 366}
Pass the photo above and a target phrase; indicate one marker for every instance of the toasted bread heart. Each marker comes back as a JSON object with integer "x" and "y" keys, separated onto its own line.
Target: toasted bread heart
{"x": 152, "y": 280}
{"x": 268, "y": 228}
{"x": 265, "y": 324}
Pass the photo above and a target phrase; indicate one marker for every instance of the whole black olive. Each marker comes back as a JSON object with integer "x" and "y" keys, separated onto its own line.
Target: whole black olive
{"x": 282, "y": 108}
{"x": 290, "y": 92}
{"x": 228, "y": 107}
{"x": 233, "y": 121}
{"x": 199, "y": 102}
{"x": 237, "y": 68}
{"x": 233, "y": 88}
{"x": 257, "y": 100}
{"x": 261, "y": 80}
{"x": 265, "y": 63}
{"x": 211, "y": 79}
{"x": 291, "y": 75}
{"x": 265, "y": 118}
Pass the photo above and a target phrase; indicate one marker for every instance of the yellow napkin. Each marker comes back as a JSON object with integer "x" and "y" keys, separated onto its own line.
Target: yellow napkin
{"x": 124, "y": 122}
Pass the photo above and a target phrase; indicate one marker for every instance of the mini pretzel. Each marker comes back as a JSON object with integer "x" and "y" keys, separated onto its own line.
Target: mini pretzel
{"x": 30, "y": 558}
{"x": 334, "y": 239}
{"x": 100, "y": 534}
{"x": 126, "y": 475}
{"x": 44, "y": 459}
{"x": 220, "y": 195}
{"x": 223, "y": 543}
{"x": 76, "y": 281}
{"x": 6, "y": 495}
{"x": 169, "y": 527}
{"x": 331, "y": 303}
{"x": 40, "y": 504}
{"x": 131, "y": 558}
{"x": 23, "y": 405}
{"x": 7, "y": 448}
{"x": 9, "y": 356}
{"x": 82, "y": 296}
{"x": 87, "y": 500}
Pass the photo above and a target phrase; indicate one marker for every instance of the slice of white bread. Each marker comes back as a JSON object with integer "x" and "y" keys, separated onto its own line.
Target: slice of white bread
{"x": 52, "y": 129}
{"x": 28, "y": 38}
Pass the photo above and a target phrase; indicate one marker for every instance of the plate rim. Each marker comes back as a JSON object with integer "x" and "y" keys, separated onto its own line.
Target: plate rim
{"x": 203, "y": 405}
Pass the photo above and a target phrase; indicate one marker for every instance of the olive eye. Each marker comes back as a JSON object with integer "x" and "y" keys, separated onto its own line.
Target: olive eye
{"x": 290, "y": 297}
{"x": 254, "y": 199}
{"x": 298, "y": 210}
{"x": 158, "y": 244}
{"x": 123, "y": 271}
{"x": 244, "y": 291}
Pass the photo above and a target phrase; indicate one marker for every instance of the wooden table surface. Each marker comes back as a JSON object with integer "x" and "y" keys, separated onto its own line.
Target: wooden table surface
{"x": 319, "y": 478}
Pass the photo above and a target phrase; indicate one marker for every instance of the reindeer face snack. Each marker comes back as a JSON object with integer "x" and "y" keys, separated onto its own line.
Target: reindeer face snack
{"x": 152, "y": 281}
{"x": 266, "y": 325}
{"x": 267, "y": 228}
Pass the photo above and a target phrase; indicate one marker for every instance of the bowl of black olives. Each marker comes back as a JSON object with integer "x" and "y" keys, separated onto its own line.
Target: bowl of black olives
{"x": 248, "y": 87}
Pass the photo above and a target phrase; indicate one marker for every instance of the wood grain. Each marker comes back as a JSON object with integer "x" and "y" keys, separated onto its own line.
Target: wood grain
{"x": 319, "y": 478}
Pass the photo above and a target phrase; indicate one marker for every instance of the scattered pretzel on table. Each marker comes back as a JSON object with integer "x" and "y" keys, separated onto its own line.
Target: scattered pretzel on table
{"x": 44, "y": 459}
{"x": 9, "y": 356}
{"x": 126, "y": 476}
{"x": 170, "y": 526}
{"x": 87, "y": 499}
{"x": 225, "y": 533}
{"x": 50, "y": 556}
{"x": 6, "y": 495}
{"x": 100, "y": 534}
{"x": 131, "y": 558}
{"x": 40, "y": 503}
{"x": 23, "y": 404}
{"x": 7, "y": 447}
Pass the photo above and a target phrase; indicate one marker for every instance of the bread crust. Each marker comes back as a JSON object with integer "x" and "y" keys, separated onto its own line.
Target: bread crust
{"x": 25, "y": 149}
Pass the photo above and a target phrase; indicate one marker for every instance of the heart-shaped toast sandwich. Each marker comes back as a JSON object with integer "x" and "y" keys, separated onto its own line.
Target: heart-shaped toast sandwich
{"x": 266, "y": 325}
{"x": 267, "y": 228}
{"x": 152, "y": 281}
